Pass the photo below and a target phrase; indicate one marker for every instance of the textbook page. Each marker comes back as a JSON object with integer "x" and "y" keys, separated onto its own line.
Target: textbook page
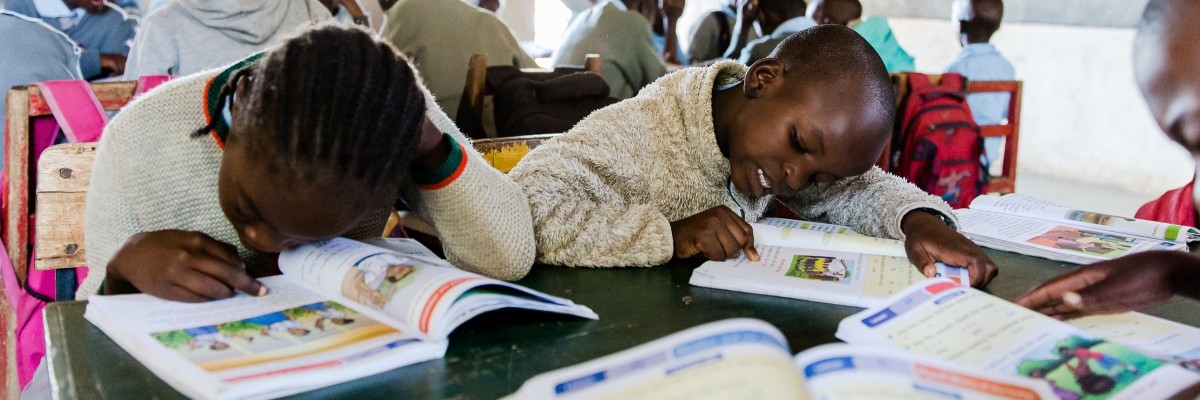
{"x": 807, "y": 225}
{"x": 1033, "y": 207}
{"x": 289, "y": 341}
{"x": 827, "y": 276}
{"x": 844, "y": 372}
{"x": 1166, "y": 340}
{"x": 424, "y": 295}
{"x": 789, "y": 236}
{"x": 730, "y": 359}
{"x": 963, "y": 326}
{"x": 1053, "y": 240}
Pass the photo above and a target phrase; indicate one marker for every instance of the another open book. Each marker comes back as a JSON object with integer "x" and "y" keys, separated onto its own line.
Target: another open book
{"x": 934, "y": 340}
{"x": 942, "y": 320}
{"x": 819, "y": 262}
{"x": 1032, "y": 226}
{"x": 341, "y": 310}
{"x": 747, "y": 358}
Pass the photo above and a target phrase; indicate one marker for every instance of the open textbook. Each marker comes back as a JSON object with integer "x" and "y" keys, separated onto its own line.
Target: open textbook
{"x": 750, "y": 359}
{"x": 1165, "y": 340}
{"x": 819, "y": 262}
{"x": 942, "y": 320}
{"x": 1032, "y": 226}
{"x": 341, "y": 310}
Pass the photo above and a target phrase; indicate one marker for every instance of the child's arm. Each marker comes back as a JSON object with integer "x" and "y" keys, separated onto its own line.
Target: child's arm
{"x": 481, "y": 216}
{"x": 579, "y": 218}
{"x": 1127, "y": 283}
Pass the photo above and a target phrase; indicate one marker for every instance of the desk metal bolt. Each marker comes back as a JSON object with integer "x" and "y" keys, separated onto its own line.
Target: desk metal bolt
{"x": 72, "y": 248}
{"x": 64, "y": 173}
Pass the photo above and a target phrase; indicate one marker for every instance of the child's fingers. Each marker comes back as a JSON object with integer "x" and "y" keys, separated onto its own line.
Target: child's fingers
{"x": 201, "y": 285}
{"x": 228, "y": 275}
{"x": 1051, "y": 292}
{"x": 923, "y": 261}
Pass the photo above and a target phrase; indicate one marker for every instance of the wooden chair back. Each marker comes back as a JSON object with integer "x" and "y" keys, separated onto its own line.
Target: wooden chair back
{"x": 63, "y": 174}
{"x": 477, "y": 89}
{"x": 24, "y": 103}
{"x": 1009, "y": 129}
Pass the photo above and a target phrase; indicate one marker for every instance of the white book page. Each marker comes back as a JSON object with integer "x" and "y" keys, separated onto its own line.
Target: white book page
{"x": 774, "y": 235}
{"x": 819, "y": 275}
{"x": 1167, "y": 340}
{"x": 1054, "y": 237}
{"x": 844, "y": 372}
{"x": 807, "y": 225}
{"x": 289, "y": 341}
{"x": 966, "y": 327}
{"x": 419, "y": 292}
{"x": 1033, "y": 207}
{"x": 730, "y": 359}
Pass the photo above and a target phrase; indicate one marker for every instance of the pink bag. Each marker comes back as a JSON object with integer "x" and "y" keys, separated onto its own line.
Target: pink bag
{"x": 82, "y": 119}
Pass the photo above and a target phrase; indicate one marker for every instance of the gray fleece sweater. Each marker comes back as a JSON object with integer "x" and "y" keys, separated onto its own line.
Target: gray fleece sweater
{"x": 151, "y": 174}
{"x": 188, "y": 36}
{"x": 604, "y": 194}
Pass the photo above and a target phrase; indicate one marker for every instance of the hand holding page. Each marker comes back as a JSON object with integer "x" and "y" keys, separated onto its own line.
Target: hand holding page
{"x": 342, "y": 310}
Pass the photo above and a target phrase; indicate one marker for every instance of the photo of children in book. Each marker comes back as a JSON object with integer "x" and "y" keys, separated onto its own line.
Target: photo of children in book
{"x": 817, "y": 268}
{"x": 375, "y": 279}
{"x": 1085, "y": 241}
{"x": 1079, "y": 368}
{"x": 273, "y": 336}
{"x": 1095, "y": 218}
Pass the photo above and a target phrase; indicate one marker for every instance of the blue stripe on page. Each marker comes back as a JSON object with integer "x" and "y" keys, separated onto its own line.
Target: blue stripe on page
{"x": 590, "y": 380}
{"x": 726, "y": 339}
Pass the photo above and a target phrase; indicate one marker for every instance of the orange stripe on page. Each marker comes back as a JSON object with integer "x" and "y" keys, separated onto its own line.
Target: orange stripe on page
{"x": 462, "y": 165}
{"x": 977, "y": 384}
{"x": 427, "y": 312}
{"x": 283, "y": 371}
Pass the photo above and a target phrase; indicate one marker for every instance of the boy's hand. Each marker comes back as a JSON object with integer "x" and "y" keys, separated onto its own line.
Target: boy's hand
{"x": 180, "y": 266}
{"x": 929, "y": 240}
{"x": 717, "y": 233}
{"x": 1123, "y": 284}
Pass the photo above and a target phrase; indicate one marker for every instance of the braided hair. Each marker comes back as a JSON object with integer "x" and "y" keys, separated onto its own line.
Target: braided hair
{"x": 331, "y": 100}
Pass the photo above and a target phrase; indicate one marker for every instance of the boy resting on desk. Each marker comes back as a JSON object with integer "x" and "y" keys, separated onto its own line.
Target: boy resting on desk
{"x": 679, "y": 169}
{"x": 1166, "y": 63}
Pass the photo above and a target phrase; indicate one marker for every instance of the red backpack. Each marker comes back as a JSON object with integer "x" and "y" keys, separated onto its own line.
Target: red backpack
{"x": 941, "y": 147}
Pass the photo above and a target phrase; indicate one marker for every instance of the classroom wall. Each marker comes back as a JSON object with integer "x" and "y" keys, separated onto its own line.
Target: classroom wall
{"x": 1083, "y": 118}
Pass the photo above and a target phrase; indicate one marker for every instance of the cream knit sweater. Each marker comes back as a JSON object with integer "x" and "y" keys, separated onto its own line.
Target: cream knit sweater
{"x": 605, "y": 193}
{"x": 151, "y": 174}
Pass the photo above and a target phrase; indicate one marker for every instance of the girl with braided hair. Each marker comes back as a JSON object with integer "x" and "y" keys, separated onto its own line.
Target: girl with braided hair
{"x": 200, "y": 183}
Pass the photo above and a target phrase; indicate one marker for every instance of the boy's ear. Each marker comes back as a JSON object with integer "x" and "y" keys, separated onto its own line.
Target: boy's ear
{"x": 764, "y": 72}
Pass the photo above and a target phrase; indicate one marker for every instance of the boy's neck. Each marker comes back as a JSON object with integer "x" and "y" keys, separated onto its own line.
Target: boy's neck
{"x": 725, "y": 108}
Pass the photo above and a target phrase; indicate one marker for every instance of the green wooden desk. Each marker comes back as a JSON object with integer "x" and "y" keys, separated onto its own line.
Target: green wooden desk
{"x": 492, "y": 355}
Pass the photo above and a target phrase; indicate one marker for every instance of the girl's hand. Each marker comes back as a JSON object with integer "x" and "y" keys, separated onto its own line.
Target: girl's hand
{"x": 929, "y": 240}
{"x": 181, "y": 266}
{"x": 432, "y": 149}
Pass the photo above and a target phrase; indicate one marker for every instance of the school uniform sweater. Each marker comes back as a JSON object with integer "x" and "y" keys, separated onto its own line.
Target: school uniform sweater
{"x": 622, "y": 38}
{"x": 604, "y": 194}
{"x": 107, "y": 32}
{"x": 31, "y": 52}
{"x": 439, "y": 37}
{"x": 152, "y": 174}
{"x": 188, "y": 36}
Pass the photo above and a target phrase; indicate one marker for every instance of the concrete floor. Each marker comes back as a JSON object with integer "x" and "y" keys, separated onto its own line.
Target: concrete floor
{"x": 1083, "y": 196}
